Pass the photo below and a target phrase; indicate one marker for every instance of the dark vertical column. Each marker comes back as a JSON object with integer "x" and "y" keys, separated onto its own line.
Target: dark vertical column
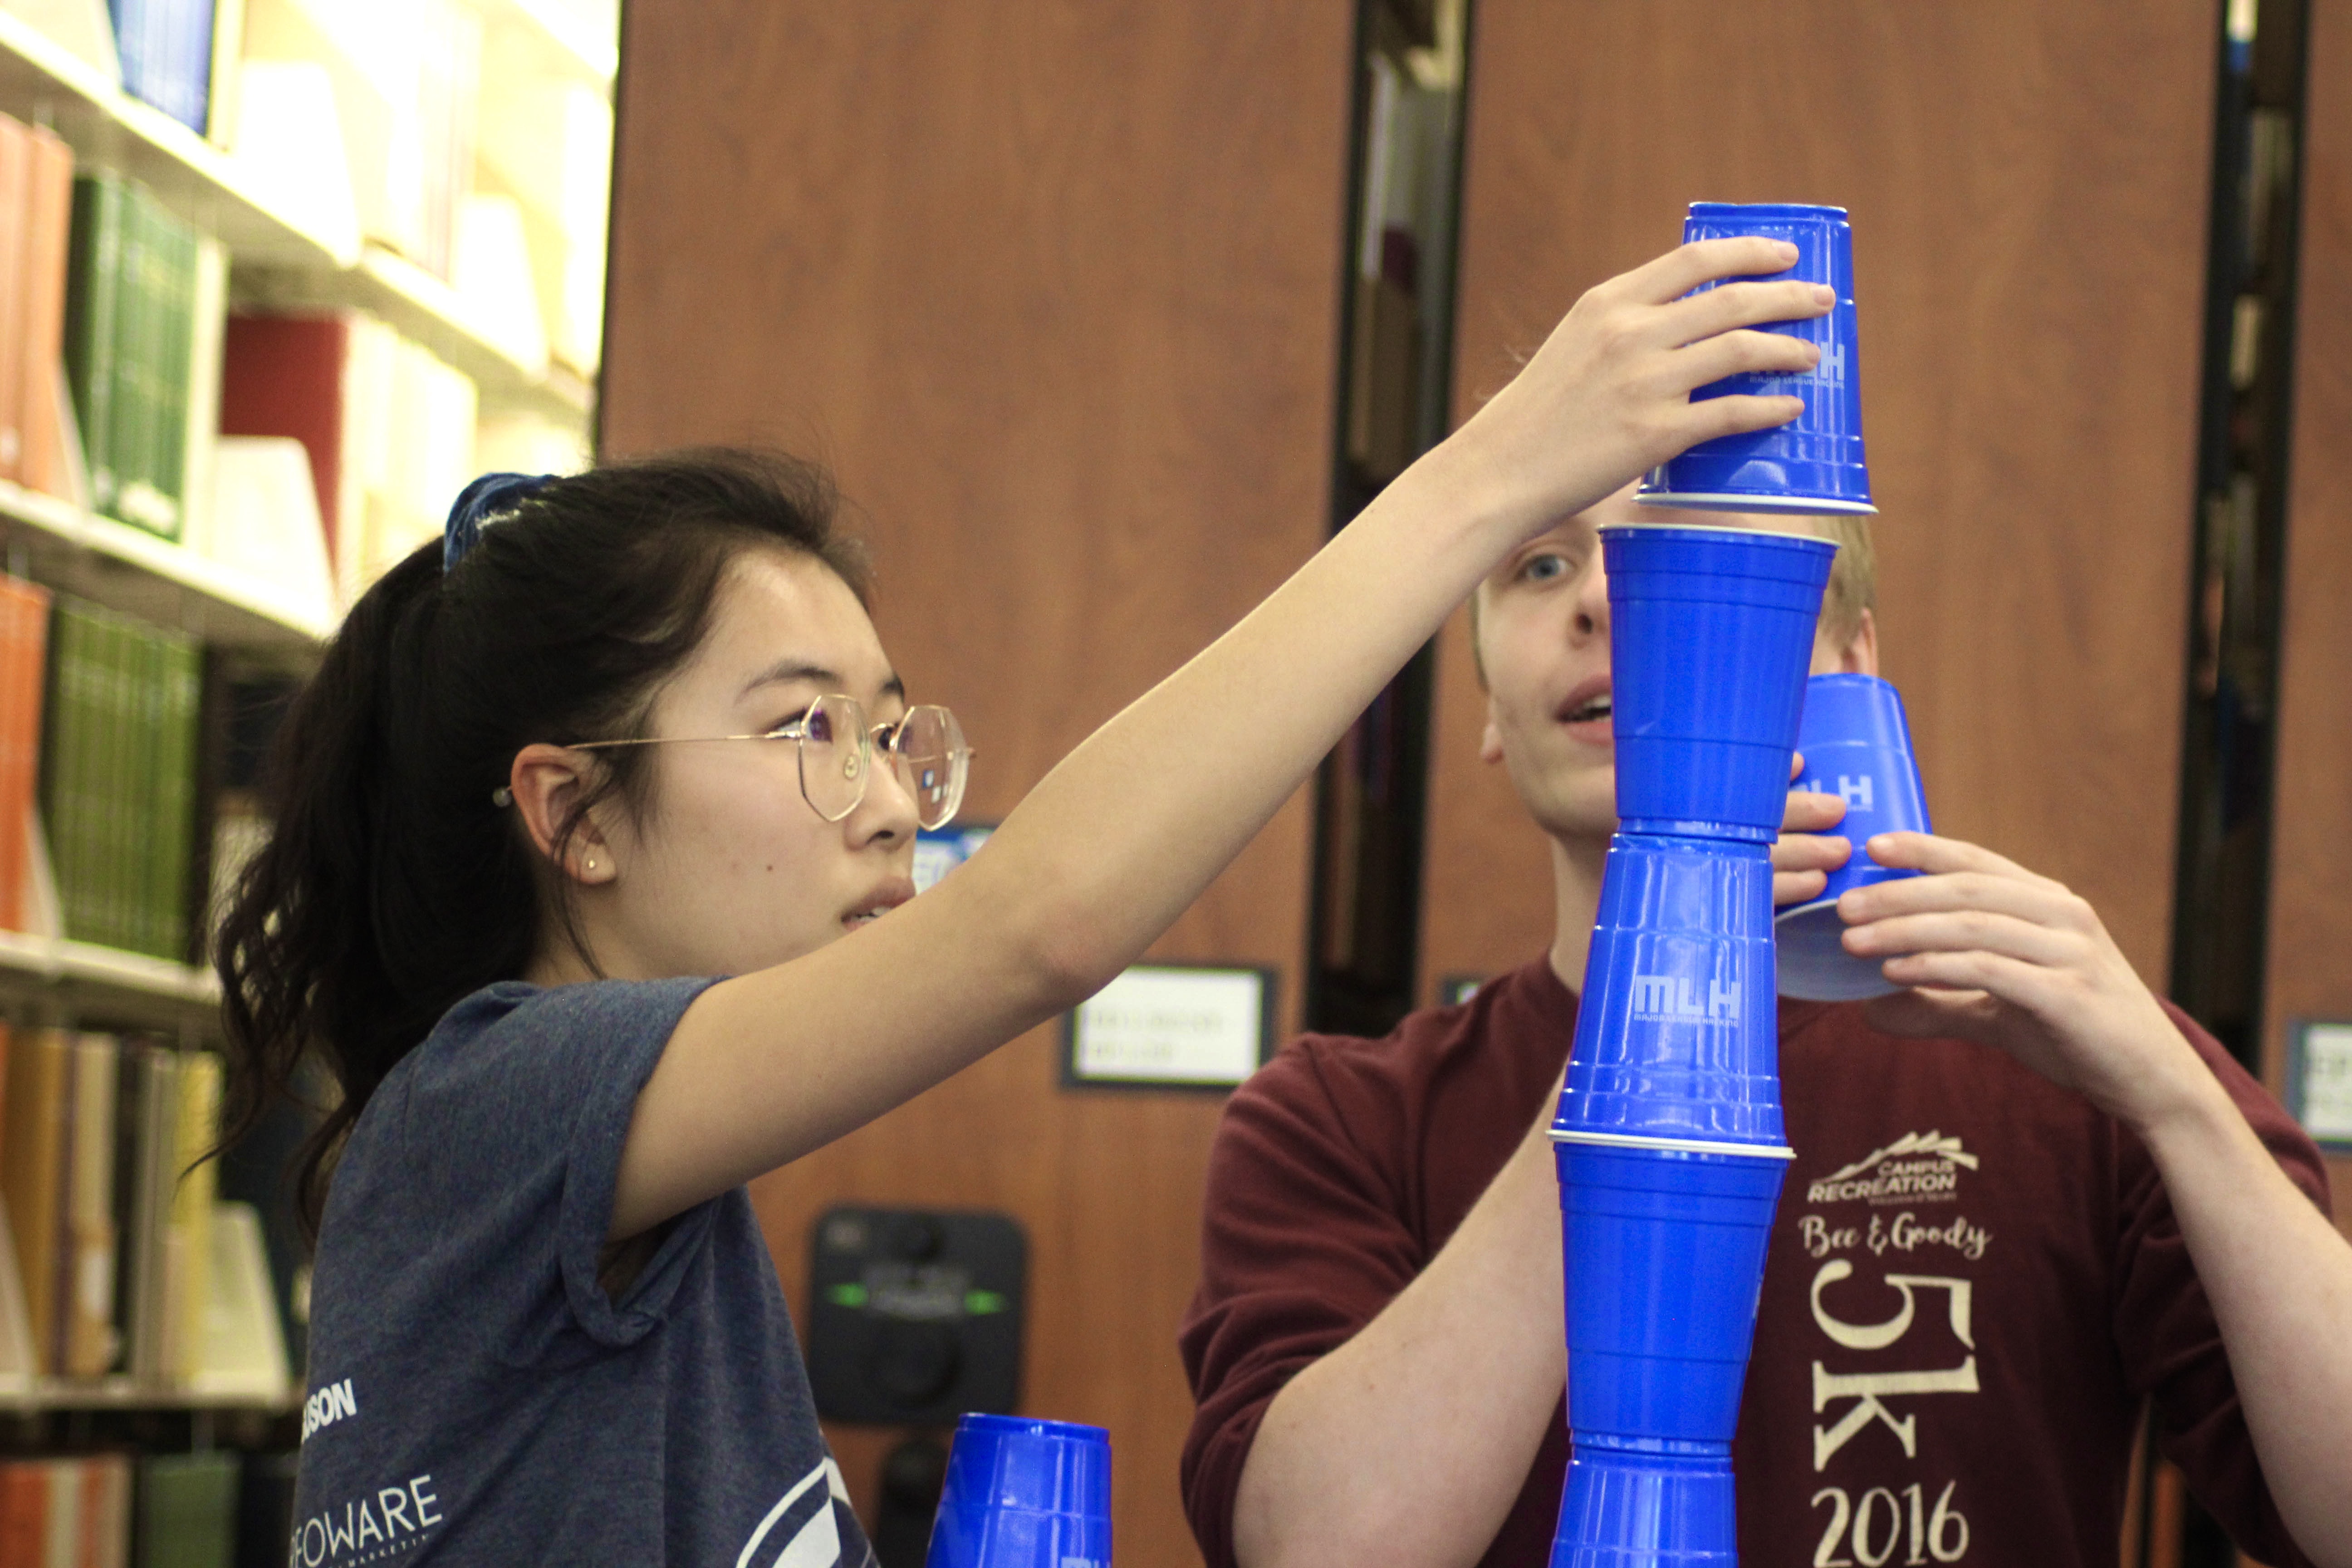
{"x": 2309, "y": 966}
{"x": 2029, "y": 209}
{"x": 1053, "y": 288}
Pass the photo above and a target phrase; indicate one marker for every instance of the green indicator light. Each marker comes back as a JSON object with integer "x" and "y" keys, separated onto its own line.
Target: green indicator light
{"x": 981, "y": 1303}
{"x": 846, "y": 1295}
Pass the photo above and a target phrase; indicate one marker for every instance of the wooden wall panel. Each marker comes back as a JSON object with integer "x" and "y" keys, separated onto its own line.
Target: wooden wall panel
{"x": 2029, "y": 189}
{"x": 1054, "y": 288}
{"x": 2311, "y": 850}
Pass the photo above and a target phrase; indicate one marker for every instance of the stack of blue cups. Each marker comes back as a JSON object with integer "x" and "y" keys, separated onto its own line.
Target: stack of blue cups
{"x": 1668, "y": 1141}
{"x": 1024, "y": 1493}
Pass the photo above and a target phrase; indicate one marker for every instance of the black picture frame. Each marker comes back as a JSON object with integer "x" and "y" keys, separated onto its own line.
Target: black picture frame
{"x": 2297, "y": 1064}
{"x": 1269, "y": 981}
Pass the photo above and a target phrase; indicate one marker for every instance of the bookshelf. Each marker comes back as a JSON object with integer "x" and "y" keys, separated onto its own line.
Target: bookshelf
{"x": 284, "y": 256}
{"x": 42, "y": 82}
{"x": 43, "y": 1395}
{"x": 460, "y": 341}
{"x": 131, "y": 570}
{"x": 550, "y": 38}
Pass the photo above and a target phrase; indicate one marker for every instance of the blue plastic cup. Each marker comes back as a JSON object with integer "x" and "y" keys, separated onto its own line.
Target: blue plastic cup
{"x": 1857, "y": 745}
{"x": 1024, "y": 1493}
{"x": 1663, "y": 1258}
{"x": 1711, "y": 633}
{"x": 1678, "y": 1035}
{"x": 1813, "y": 464}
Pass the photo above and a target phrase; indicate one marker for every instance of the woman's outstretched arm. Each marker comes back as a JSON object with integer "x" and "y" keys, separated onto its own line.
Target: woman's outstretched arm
{"x": 1114, "y": 844}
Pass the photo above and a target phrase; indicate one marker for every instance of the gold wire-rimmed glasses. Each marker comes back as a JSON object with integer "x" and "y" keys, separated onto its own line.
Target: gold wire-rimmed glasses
{"x": 837, "y": 747}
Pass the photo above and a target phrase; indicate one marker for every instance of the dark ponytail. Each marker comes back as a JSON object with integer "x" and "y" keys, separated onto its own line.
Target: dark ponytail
{"x": 391, "y": 886}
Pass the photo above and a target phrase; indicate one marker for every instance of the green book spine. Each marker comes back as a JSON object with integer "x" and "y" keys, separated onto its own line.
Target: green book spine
{"x": 186, "y": 1510}
{"x": 129, "y": 788}
{"x": 92, "y": 300}
{"x": 175, "y": 777}
{"x": 172, "y": 472}
{"x": 121, "y": 648}
{"x": 105, "y": 761}
{"x": 74, "y": 821}
{"x": 134, "y": 350}
{"x": 60, "y": 807}
{"x": 135, "y": 786}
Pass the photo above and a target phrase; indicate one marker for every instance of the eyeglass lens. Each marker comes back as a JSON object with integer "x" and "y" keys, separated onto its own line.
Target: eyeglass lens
{"x": 929, "y": 755}
{"x": 926, "y": 748}
{"x": 835, "y": 754}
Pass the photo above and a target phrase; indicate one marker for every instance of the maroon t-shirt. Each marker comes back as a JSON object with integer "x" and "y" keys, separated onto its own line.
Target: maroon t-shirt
{"x": 1975, "y": 1279}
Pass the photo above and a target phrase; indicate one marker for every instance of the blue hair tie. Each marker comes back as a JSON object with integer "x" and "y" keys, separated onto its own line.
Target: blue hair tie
{"x": 479, "y": 504}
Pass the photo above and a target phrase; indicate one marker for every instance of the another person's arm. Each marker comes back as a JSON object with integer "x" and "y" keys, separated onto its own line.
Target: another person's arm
{"x": 2016, "y": 960}
{"x": 1410, "y": 1442}
{"x": 1134, "y": 824}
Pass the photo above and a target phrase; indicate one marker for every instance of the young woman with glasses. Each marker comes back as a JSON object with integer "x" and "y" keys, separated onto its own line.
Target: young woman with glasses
{"x": 584, "y": 832}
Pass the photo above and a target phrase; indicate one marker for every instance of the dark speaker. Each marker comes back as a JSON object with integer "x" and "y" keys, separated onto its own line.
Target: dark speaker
{"x": 915, "y": 1315}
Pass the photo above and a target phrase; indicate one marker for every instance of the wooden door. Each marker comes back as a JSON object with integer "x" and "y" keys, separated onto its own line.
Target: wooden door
{"x": 1054, "y": 288}
{"x": 2310, "y": 939}
{"x": 2029, "y": 190}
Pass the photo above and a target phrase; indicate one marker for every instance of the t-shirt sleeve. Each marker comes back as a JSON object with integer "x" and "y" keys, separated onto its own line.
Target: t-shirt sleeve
{"x": 2164, "y": 1324}
{"x": 512, "y": 1130}
{"x": 1302, "y": 1245}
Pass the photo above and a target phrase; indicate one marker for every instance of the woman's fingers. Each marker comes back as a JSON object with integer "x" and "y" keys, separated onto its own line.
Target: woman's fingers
{"x": 1731, "y": 306}
{"x": 1678, "y": 271}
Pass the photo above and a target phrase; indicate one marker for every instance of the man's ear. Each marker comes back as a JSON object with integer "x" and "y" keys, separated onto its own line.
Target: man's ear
{"x": 547, "y": 783}
{"x": 1858, "y": 655}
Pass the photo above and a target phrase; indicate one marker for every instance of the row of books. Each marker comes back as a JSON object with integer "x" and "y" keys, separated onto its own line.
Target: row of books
{"x": 112, "y": 1218}
{"x": 35, "y": 203}
{"x": 136, "y": 303}
{"x": 119, "y": 779}
{"x": 214, "y": 1509}
{"x": 166, "y": 52}
{"x": 388, "y": 431}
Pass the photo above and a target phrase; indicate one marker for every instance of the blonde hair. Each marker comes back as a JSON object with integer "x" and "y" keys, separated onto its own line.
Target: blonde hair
{"x": 1853, "y": 586}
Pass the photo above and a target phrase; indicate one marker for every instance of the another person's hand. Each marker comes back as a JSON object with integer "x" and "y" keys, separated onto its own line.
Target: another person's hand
{"x": 1608, "y": 394}
{"x": 2001, "y": 956}
{"x": 1807, "y": 852}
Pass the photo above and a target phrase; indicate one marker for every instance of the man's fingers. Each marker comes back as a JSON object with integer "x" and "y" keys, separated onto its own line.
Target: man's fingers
{"x": 1928, "y": 852}
{"x": 1797, "y": 887}
{"x": 1810, "y": 811}
{"x": 1810, "y": 852}
{"x": 1949, "y": 891}
{"x": 1965, "y": 931}
{"x": 1684, "y": 268}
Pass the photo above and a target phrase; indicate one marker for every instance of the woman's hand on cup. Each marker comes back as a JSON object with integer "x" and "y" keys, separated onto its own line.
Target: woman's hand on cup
{"x": 1607, "y": 396}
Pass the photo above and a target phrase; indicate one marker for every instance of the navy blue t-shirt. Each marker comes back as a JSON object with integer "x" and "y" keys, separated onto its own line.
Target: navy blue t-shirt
{"x": 475, "y": 1395}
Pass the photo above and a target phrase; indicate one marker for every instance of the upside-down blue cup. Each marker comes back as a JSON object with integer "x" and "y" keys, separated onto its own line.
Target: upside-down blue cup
{"x": 1711, "y": 633}
{"x": 1677, "y": 1035}
{"x": 1813, "y": 464}
{"x": 1858, "y": 746}
{"x": 1024, "y": 1493}
{"x": 1663, "y": 1258}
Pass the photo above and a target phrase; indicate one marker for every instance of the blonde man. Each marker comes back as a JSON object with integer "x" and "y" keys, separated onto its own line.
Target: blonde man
{"x": 1984, "y": 1259}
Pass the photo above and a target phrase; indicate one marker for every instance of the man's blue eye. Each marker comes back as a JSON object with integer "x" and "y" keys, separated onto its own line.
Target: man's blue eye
{"x": 1542, "y": 568}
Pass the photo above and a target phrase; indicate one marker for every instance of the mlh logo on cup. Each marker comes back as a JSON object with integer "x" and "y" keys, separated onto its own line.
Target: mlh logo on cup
{"x": 1674, "y": 999}
{"x": 1854, "y": 792}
